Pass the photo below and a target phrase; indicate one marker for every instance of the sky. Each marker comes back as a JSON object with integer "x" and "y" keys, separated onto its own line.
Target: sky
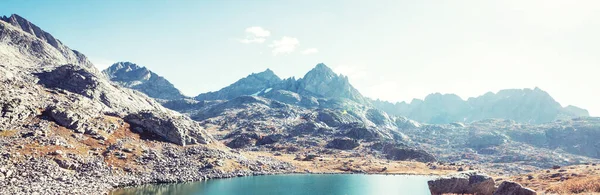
{"x": 393, "y": 50}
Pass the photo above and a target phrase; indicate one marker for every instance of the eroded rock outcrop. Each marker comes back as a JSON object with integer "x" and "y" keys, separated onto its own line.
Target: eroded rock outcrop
{"x": 463, "y": 183}
{"x": 177, "y": 129}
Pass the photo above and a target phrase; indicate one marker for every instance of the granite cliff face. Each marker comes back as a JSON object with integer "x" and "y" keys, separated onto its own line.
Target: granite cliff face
{"x": 132, "y": 76}
{"x": 522, "y": 105}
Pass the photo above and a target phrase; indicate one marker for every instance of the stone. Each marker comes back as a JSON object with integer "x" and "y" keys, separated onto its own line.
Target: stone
{"x": 176, "y": 129}
{"x": 462, "y": 183}
{"x": 343, "y": 143}
{"x": 512, "y": 188}
{"x": 56, "y": 152}
{"x": 397, "y": 152}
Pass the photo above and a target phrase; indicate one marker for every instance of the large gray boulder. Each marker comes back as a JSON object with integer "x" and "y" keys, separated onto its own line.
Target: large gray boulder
{"x": 404, "y": 153}
{"x": 176, "y": 129}
{"x": 512, "y": 188}
{"x": 463, "y": 183}
{"x": 343, "y": 143}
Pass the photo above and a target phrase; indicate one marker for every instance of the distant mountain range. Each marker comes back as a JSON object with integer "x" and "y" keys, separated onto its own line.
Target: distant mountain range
{"x": 521, "y": 105}
{"x": 321, "y": 87}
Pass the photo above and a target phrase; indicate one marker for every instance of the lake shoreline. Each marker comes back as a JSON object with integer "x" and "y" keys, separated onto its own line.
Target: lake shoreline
{"x": 264, "y": 174}
{"x": 121, "y": 188}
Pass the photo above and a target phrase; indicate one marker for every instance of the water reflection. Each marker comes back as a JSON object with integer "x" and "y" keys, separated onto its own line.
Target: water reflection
{"x": 293, "y": 184}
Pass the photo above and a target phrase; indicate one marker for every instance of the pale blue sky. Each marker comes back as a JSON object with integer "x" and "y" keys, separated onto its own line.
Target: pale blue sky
{"x": 391, "y": 49}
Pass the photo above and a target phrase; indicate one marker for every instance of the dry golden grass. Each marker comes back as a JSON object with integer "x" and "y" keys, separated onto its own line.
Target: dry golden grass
{"x": 578, "y": 185}
{"x": 577, "y": 179}
{"x": 8, "y": 133}
{"x": 343, "y": 163}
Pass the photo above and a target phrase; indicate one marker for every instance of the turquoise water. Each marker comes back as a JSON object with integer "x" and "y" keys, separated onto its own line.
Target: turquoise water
{"x": 300, "y": 184}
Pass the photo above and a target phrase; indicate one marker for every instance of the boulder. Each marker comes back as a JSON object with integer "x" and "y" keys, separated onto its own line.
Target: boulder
{"x": 463, "y": 183}
{"x": 72, "y": 78}
{"x": 343, "y": 144}
{"x": 176, "y": 129}
{"x": 270, "y": 139}
{"x": 398, "y": 152}
{"x": 512, "y": 188}
{"x": 361, "y": 131}
{"x": 241, "y": 142}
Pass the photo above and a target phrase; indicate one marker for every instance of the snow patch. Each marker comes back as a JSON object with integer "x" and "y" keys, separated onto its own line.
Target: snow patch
{"x": 268, "y": 89}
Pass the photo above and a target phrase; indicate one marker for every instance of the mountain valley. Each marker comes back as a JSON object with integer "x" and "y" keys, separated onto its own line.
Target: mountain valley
{"x": 69, "y": 128}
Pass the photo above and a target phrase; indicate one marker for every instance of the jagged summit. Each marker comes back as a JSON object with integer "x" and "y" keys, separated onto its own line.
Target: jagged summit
{"x": 140, "y": 78}
{"x": 321, "y": 81}
{"x": 31, "y": 28}
{"x": 28, "y": 45}
{"x": 127, "y": 71}
{"x": 268, "y": 74}
{"x": 252, "y": 84}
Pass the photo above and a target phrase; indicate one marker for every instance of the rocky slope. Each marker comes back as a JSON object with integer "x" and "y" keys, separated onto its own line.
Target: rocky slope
{"x": 522, "y": 105}
{"x": 66, "y": 129}
{"x": 132, "y": 76}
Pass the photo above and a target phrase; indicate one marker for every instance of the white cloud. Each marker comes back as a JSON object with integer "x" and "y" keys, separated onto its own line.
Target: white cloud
{"x": 284, "y": 46}
{"x": 258, "y": 31}
{"x": 255, "y": 34}
{"x": 101, "y": 63}
{"x": 310, "y": 51}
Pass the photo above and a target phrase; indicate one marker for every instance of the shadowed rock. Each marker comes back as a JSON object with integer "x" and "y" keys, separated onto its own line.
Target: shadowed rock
{"x": 462, "y": 183}
{"x": 343, "y": 144}
{"x": 512, "y": 188}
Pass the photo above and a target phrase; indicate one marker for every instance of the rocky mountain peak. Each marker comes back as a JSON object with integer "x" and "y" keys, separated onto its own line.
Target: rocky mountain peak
{"x": 267, "y": 75}
{"x": 321, "y": 81}
{"x": 30, "y": 46}
{"x": 321, "y": 71}
{"x": 137, "y": 77}
{"x": 31, "y": 28}
{"x": 127, "y": 71}
{"x": 252, "y": 84}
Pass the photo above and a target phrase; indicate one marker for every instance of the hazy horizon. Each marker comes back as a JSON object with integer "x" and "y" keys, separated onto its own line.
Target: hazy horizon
{"x": 390, "y": 50}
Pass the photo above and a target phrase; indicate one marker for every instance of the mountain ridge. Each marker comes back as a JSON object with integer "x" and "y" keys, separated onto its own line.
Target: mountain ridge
{"x": 534, "y": 105}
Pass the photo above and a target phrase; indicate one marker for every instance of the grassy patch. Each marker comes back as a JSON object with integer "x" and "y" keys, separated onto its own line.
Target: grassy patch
{"x": 577, "y": 185}
{"x": 8, "y": 133}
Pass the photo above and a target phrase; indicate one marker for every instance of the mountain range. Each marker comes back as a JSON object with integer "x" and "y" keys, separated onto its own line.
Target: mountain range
{"x": 522, "y": 105}
{"x": 68, "y": 128}
{"x": 321, "y": 86}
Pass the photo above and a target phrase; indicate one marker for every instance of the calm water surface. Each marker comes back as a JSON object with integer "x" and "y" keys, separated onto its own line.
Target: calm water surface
{"x": 300, "y": 184}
